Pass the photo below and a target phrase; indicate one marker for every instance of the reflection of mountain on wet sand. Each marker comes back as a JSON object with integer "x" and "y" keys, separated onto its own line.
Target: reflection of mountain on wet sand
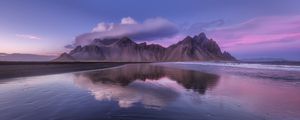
{"x": 194, "y": 80}
{"x": 149, "y": 84}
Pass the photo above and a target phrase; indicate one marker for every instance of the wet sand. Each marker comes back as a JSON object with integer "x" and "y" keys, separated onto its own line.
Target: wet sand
{"x": 21, "y": 69}
{"x": 158, "y": 91}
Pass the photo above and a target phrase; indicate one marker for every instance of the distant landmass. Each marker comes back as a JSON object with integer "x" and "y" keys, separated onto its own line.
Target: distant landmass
{"x": 263, "y": 59}
{"x": 25, "y": 57}
{"x": 197, "y": 48}
{"x": 272, "y": 61}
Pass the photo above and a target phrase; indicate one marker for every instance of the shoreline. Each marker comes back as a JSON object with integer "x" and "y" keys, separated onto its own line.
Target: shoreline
{"x": 25, "y": 69}
{"x": 12, "y": 69}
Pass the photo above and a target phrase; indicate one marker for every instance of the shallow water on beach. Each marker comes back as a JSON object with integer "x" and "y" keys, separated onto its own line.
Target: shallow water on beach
{"x": 163, "y": 91}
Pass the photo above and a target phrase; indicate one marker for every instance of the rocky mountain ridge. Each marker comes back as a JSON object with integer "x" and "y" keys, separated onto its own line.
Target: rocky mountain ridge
{"x": 197, "y": 48}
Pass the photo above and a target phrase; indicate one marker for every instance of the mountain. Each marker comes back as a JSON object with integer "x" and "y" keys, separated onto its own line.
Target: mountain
{"x": 197, "y": 48}
{"x": 24, "y": 57}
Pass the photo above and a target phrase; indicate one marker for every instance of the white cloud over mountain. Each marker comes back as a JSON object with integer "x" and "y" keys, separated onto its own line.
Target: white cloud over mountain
{"x": 148, "y": 30}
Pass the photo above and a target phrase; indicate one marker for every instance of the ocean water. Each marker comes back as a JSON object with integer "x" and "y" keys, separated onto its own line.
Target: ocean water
{"x": 162, "y": 91}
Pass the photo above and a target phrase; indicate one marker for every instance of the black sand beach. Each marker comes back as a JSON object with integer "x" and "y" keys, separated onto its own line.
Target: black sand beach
{"x": 20, "y": 69}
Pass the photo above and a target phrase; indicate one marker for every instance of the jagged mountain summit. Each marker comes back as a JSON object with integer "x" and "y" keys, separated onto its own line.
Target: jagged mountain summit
{"x": 197, "y": 48}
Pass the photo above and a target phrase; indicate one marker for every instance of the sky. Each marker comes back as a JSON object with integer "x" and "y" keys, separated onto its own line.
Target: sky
{"x": 245, "y": 28}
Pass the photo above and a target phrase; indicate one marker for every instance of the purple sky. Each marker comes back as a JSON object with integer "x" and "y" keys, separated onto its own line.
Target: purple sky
{"x": 247, "y": 29}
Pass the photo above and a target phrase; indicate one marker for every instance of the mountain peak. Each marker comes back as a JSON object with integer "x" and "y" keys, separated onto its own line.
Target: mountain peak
{"x": 197, "y": 40}
{"x": 228, "y": 56}
{"x": 106, "y": 41}
{"x": 125, "y": 41}
{"x": 186, "y": 40}
{"x": 202, "y": 35}
{"x": 200, "y": 38}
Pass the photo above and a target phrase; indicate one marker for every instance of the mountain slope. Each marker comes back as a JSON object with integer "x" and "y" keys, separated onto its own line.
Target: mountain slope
{"x": 197, "y": 48}
{"x": 64, "y": 58}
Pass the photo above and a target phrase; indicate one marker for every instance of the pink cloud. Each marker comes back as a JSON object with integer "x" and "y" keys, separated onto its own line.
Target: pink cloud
{"x": 27, "y": 36}
{"x": 258, "y": 31}
{"x": 263, "y": 39}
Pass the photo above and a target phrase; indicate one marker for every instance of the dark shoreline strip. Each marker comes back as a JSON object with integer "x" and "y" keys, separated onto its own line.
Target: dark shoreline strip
{"x": 23, "y": 69}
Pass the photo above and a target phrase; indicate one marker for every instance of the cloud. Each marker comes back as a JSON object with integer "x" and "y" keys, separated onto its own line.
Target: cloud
{"x": 188, "y": 29}
{"x": 264, "y": 39}
{"x": 149, "y": 30}
{"x": 267, "y": 36}
{"x": 198, "y": 27}
{"x": 27, "y": 36}
{"x": 128, "y": 20}
{"x": 69, "y": 46}
{"x": 167, "y": 41}
{"x": 258, "y": 31}
{"x": 102, "y": 27}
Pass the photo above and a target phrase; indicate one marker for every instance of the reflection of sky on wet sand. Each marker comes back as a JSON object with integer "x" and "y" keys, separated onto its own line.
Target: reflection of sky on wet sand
{"x": 260, "y": 95}
{"x": 150, "y": 93}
